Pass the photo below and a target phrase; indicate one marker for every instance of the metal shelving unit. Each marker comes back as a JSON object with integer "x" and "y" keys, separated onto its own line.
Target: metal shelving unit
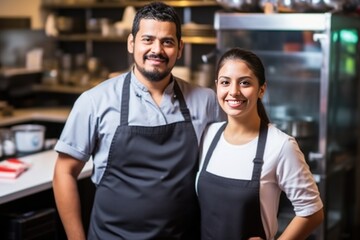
{"x": 89, "y": 9}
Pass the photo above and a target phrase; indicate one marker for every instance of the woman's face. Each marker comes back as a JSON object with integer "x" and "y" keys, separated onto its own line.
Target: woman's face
{"x": 238, "y": 89}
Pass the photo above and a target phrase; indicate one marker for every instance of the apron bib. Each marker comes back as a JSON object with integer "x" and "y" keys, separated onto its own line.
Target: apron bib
{"x": 230, "y": 208}
{"x": 147, "y": 191}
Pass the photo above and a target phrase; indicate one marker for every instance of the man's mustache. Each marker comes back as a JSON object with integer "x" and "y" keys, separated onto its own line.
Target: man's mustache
{"x": 156, "y": 56}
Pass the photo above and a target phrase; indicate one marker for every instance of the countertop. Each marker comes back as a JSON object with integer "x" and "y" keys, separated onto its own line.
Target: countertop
{"x": 37, "y": 178}
{"x": 35, "y": 114}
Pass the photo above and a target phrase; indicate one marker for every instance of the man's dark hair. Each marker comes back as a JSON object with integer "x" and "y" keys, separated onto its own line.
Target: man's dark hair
{"x": 158, "y": 11}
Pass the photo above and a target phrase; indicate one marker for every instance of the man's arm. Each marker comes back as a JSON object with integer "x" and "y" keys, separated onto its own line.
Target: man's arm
{"x": 67, "y": 199}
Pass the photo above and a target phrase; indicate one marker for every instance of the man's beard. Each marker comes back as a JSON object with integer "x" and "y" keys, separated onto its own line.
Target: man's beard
{"x": 154, "y": 75}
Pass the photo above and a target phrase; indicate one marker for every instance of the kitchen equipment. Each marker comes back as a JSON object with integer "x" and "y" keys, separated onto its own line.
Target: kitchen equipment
{"x": 29, "y": 137}
{"x": 33, "y": 224}
{"x": 298, "y": 127}
{"x": 70, "y": 24}
{"x": 93, "y": 25}
{"x": 192, "y": 29}
{"x": 64, "y": 24}
{"x": 182, "y": 72}
{"x": 241, "y": 5}
{"x": 16, "y": 85}
{"x": 205, "y": 75}
{"x": 7, "y": 142}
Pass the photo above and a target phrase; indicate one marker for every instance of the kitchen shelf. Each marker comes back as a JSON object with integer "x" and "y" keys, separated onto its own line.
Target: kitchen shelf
{"x": 199, "y": 39}
{"x": 100, "y": 38}
{"x": 60, "y": 88}
{"x": 93, "y": 37}
{"x": 122, "y": 4}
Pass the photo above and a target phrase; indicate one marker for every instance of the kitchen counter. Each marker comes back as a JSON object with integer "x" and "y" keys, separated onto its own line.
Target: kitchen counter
{"x": 61, "y": 88}
{"x": 35, "y": 114}
{"x": 37, "y": 178}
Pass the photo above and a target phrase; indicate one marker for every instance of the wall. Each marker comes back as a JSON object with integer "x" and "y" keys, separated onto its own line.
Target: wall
{"x": 23, "y": 8}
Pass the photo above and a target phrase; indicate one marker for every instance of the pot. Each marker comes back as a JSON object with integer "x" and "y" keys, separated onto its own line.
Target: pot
{"x": 241, "y": 5}
{"x": 304, "y": 127}
{"x": 29, "y": 137}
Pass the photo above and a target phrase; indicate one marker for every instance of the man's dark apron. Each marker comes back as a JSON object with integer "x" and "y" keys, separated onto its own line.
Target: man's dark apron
{"x": 230, "y": 208}
{"x": 148, "y": 188}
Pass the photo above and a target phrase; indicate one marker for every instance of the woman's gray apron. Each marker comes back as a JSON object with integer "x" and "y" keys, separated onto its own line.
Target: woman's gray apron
{"x": 230, "y": 208}
{"x": 147, "y": 191}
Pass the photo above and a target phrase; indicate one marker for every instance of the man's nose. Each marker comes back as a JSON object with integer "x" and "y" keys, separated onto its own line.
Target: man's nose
{"x": 156, "y": 47}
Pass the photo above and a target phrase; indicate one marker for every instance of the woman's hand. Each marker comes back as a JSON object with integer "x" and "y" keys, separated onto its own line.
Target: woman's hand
{"x": 255, "y": 238}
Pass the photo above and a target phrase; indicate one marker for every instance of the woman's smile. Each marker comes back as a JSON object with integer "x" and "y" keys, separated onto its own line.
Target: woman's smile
{"x": 235, "y": 103}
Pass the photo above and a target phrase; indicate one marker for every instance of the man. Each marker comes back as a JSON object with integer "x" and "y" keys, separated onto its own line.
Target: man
{"x": 142, "y": 130}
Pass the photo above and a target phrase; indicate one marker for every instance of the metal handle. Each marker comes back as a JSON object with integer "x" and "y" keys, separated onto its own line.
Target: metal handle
{"x": 314, "y": 160}
{"x": 206, "y": 57}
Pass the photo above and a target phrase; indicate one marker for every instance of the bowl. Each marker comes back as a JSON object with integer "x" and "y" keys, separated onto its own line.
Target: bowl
{"x": 29, "y": 137}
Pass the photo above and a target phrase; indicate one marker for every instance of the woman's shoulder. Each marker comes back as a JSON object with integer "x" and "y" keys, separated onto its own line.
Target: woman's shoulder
{"x": 283, "y": 142}
{"x": 210, "y": 132}
{"x": 212, "y": 129}
{"x": 215, "y": 126}
{"x": 279, "y": 138}
{"x": 276, "y": 133}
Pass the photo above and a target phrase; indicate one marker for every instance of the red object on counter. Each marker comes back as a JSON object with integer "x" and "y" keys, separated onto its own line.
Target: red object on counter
{"x": 12, "y": 168}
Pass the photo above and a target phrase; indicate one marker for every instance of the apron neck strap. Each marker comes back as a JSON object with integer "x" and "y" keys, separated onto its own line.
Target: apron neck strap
{"x": 124, "y": 116}
{"x": 258, "y": 160}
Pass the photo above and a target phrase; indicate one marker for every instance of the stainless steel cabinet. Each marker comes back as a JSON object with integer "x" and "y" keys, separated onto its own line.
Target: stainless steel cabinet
{"x": 312, "y": 67}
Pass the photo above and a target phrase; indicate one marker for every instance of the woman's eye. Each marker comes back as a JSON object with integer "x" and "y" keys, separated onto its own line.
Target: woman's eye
{"x": 244, "y": 83}
{"x": 224, "y": 82}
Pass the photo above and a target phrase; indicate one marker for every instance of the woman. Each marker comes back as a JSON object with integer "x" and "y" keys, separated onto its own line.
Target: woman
{"x": 246, "y": 162}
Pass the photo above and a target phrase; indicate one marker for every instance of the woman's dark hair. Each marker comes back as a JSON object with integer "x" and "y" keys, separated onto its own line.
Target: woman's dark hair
{"x": 158, "y": 11}
{"x": 256, "y": 66}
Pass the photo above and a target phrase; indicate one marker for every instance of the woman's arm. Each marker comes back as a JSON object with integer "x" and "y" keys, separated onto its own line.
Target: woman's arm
{"x": 301, "y": 227}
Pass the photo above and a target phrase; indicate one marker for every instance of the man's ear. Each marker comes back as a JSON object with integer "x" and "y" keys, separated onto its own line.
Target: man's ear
{"x": 130, "y": 43}
{"x": 181, "y": 47}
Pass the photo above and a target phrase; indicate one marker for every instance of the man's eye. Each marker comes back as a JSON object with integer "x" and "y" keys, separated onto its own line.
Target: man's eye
{"x": 146, "y": 39}
{"x": 168, "y": 43}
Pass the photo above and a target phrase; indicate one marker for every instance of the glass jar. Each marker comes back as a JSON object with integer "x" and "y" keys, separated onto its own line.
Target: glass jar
{"x": 8, "y": 142}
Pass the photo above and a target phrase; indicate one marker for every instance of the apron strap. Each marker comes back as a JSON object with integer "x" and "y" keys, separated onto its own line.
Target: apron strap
{"x": 124, "y": 116}
{"x": 183, "y": 107}
{"x": 258, "y": 160}
{"x": 213, "y": 145}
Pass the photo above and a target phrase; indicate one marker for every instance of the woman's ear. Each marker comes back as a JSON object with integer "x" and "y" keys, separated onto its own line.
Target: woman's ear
{"x": 262, "y": 90}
